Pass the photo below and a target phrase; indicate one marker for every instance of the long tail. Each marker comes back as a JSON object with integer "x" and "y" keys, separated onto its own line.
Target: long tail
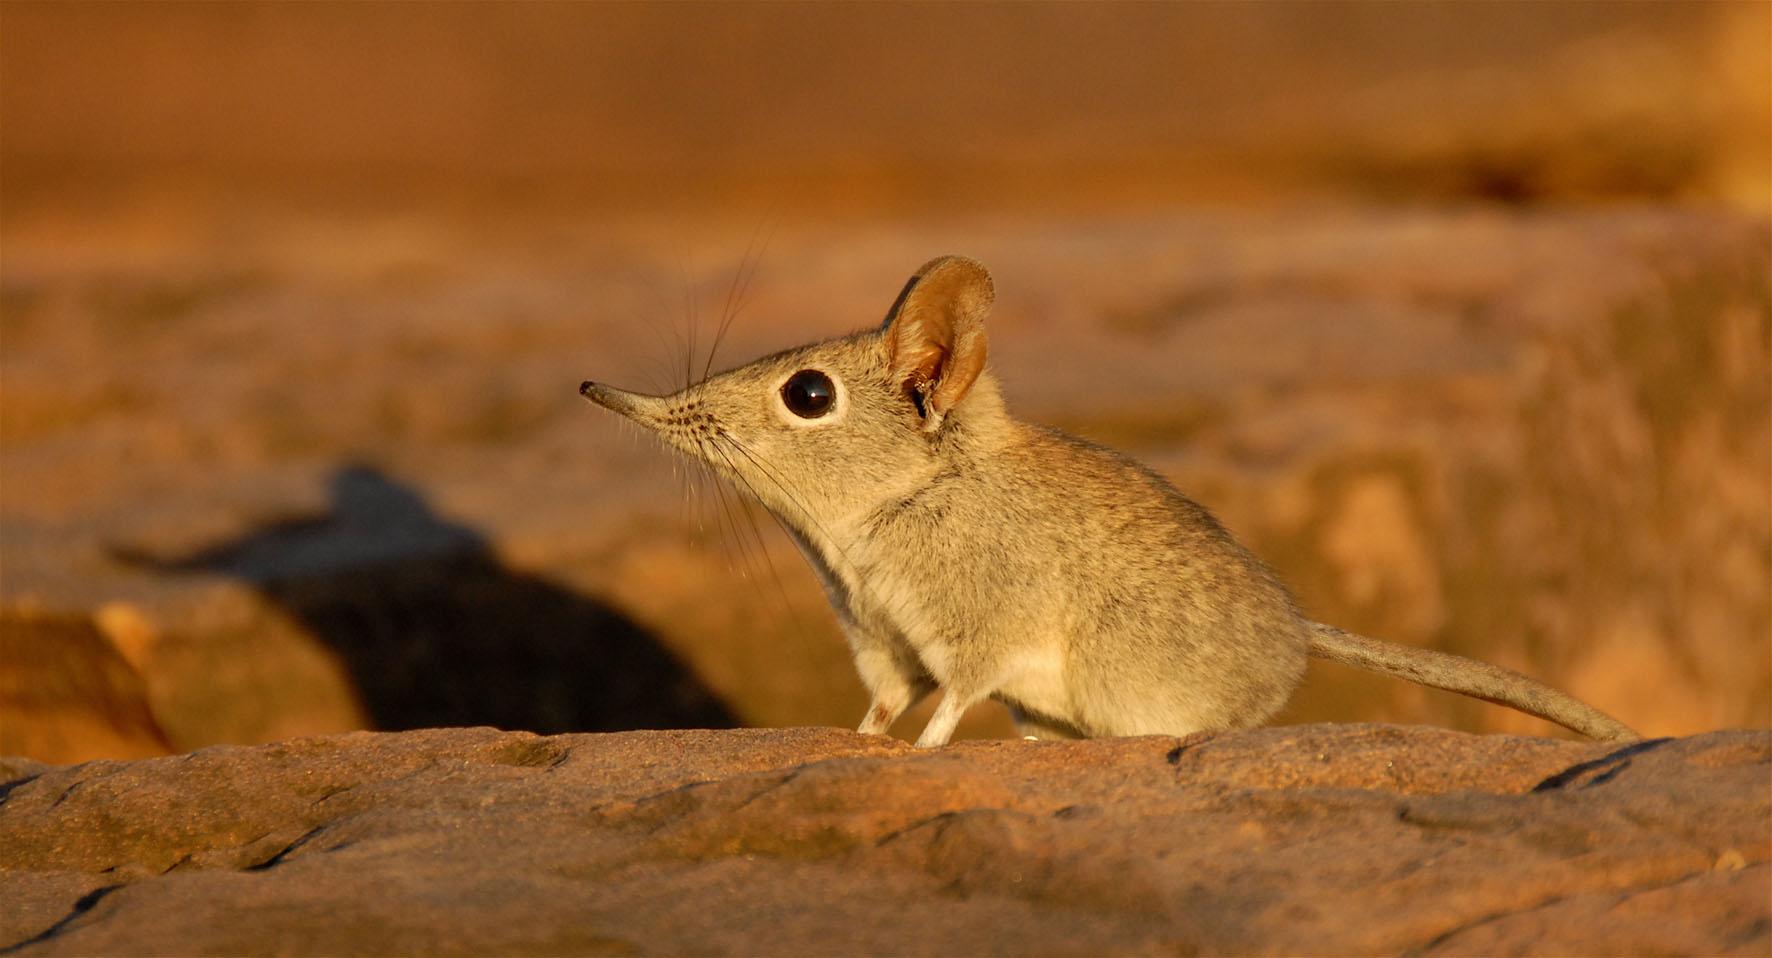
{"x": 1479, "y": 680}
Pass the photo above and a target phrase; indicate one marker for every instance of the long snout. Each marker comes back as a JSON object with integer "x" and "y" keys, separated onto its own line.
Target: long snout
{"x": 636, "y": 406}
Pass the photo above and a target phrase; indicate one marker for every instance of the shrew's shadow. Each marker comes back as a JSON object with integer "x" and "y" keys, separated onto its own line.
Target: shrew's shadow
{"x": 436, "y": 631}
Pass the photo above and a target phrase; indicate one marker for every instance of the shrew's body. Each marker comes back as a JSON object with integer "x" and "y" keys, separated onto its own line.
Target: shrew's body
{"x": 967, "y": 551}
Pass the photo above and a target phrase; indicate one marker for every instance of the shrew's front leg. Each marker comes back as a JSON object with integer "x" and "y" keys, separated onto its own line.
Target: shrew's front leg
{"x": 893, "y": 677}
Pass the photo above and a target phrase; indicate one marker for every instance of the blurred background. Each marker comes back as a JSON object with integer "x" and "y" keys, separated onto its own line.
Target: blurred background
{"x": 1459, "y": 314}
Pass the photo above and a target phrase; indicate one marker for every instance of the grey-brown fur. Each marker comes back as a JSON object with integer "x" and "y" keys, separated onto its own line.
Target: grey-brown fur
{"x": 964, "y": 550}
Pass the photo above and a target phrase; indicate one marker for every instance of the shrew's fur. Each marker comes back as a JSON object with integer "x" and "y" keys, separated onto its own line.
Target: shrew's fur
{"x": 967, "y": 551}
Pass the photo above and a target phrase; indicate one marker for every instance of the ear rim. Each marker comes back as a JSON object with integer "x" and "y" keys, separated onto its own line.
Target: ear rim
{"x": 951, "y": 344}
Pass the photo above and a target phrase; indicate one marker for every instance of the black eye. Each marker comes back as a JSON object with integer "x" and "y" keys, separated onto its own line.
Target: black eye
{"x": 808, "y": 393}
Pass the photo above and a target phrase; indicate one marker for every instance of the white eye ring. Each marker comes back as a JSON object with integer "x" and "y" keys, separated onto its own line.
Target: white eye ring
{"x": 839, "y": 401}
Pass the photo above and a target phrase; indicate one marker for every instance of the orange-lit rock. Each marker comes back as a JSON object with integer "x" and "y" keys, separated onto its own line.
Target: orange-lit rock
{"x": 1321, "y": 839}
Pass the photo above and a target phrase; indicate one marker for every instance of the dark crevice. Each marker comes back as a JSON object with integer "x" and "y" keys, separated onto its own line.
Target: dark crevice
{"x": 81, "y": 907}
{"x": 1605, "y": 768}
{"x": 772, "y": 786}
{"x": 65, "y": 793}
{"x": 944, "y": 818}
{"x": 329, "y": 793}
{"x": 284, "y": 853}
{"x": 183, "y": 860}
{"x": 1186, "y": 744}
{"x": 6, "y": 788}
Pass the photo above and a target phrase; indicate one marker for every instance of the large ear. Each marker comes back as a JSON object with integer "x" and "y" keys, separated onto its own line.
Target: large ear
{"x": 935, "y": 334}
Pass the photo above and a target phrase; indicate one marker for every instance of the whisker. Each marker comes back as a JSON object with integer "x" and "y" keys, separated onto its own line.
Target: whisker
{"x": 689, "y": 306}
{"x": 731, "y": 523}
{"x": 726, "y": 308}
{"x": 659, "y": 367}
{"x": 769, "y": 472}
{"x": 740, "y": 287}
{"x": 744, "y": 289}
{"x": 805, "y": 637}
{"x": 775, "y": 479}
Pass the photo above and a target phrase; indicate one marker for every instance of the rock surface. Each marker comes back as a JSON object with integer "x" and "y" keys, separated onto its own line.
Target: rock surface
{"x": 1321, "y": 839}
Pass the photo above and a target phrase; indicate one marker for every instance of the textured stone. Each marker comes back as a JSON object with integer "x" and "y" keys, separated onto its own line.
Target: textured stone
{"x": 1318, "y": 839}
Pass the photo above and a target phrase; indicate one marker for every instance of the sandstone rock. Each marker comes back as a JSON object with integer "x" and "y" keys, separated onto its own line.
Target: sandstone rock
{"x": 1298, "y": 840}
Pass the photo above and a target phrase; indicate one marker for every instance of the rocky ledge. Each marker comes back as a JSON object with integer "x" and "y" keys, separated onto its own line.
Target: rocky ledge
{"x": 1323, "y": 839}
